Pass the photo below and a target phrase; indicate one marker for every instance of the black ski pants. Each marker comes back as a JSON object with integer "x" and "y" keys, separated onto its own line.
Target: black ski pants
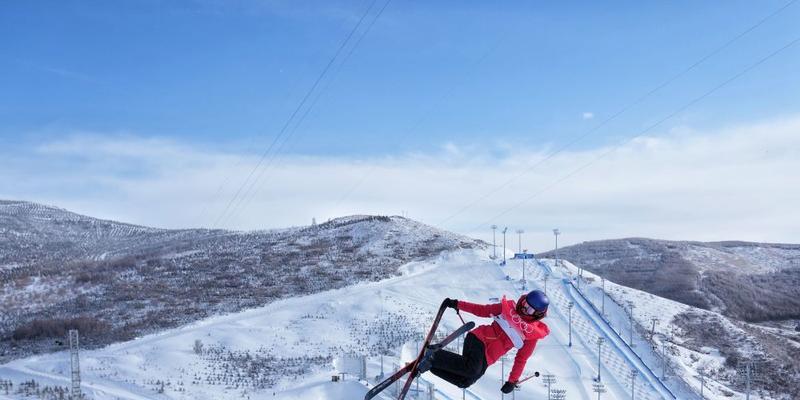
{"x": 461, "y": 370}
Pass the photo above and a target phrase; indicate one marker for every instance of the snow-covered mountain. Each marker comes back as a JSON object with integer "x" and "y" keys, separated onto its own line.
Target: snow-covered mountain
{"x": 116, "y": 281}
{"x": 732, "y": 303}
{"x": 35, "y": 233}
{"x": 753, "y": 282}
{"x": 291, "y": 348}
{"x": 199, "y": 314}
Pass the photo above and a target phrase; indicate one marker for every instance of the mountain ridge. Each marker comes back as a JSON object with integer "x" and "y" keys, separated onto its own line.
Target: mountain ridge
{"x": 62, "y": 270}
{"x": 749, "y": 281}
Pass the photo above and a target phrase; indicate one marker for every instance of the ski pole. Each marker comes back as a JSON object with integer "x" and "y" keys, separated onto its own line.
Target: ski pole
{"x": 535, "y": 375}
{"x": 459, "y": 316}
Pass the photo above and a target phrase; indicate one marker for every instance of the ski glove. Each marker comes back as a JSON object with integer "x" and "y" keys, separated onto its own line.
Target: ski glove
{"x": 508, "y": 387}
{"x": 451, "y": 303}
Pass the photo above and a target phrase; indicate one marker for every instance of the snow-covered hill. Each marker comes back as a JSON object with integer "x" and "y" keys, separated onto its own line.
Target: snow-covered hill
{"x": 117, "y": 281}
{"x": 693, "y": 343}
{"x": 288, "y": 349}
{"x": 275, "y": 314}
{"x": 291, "y": 348}
{"x": 31, "y": 233}
{"x": 754, "y": 282}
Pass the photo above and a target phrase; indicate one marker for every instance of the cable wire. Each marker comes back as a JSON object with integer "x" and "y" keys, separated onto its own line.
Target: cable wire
{"x": 646, "y": 130}
{"x": 294, "y": 113}
{"x": 624, "y": 109}
{"x": 252, "y": 190}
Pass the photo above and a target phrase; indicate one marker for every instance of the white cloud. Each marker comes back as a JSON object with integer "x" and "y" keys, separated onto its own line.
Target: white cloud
{"x": 738, "y": 183}
{"x": 587, "y": 115}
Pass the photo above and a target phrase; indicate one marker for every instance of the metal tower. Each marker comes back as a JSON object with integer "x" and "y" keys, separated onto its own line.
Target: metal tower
{"x": 75, "y": 365}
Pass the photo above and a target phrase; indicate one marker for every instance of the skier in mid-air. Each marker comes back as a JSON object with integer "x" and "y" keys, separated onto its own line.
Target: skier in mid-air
{"x": 516, "y": 324}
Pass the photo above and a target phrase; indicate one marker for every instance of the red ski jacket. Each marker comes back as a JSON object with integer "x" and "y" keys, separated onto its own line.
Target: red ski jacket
{"x": 497, "y": 342}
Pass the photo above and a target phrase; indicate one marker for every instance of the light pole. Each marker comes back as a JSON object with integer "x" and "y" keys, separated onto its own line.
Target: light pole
{"x": 556, "y": 232}
{"x": 524, "y": 281}
{"x": 504, "y": 245}
{"x": 502, "y": 372}
{"x": 633, "y": 382}
{"x": 569, "y": 306}
{"x": 603, "y": 297}
{"x": 702, "y": 372}
{"x": 548, "y": 379}
{"x": 664, "y": 359}
{"x": 520, "y": 232}
{"x": 546, "y": 275}
{"x": 494, "y": 246}
{"x": 599, "y": 388}
{"x": 653, "y": 329}
{"x": 600, "y": 341}
{"x": 631, "y": 306}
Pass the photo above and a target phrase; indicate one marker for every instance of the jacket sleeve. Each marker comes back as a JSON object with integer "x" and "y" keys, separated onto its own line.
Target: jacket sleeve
{"x": 480, "y": 310}
{"x": 521, "y": 359}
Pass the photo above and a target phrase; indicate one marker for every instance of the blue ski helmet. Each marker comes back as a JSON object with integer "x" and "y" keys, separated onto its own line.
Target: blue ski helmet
{"x": 538, "y": 300}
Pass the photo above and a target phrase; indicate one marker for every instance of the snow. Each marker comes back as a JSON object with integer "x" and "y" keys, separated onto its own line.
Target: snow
{"x": 387, "y": 317}
{"x": 648, "y": 307}
{"x": 747, "y": 259}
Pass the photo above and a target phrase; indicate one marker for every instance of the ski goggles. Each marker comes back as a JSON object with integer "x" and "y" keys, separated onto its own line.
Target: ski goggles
{"x": 528, "y": 310}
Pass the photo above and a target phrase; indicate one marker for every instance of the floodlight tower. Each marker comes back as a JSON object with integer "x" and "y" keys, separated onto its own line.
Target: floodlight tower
{"x": 503, "y": 360}
{"x": 556, "y": 232}
{"x": 599, "y": 388}
{"x": 631, "y": 306}
{"x": 520, "y": 232}
{"x": 570, "y": 306}
{"x": 549, "y": 380}
{"x": 603, "y": 297}
{"x": 664, "y": 359}
{"x": 505, "y": 229}
{"x": 653, "y": 329}
{"x": 74, "y": 347}
{"x": 702, "y": 372}
{"x": 600, "y": 341}
{"x": 494, "y": 246}
{"x": 524, "y": 281}
{"x": 546, "y": 275}
{"x": 633, "y": 382}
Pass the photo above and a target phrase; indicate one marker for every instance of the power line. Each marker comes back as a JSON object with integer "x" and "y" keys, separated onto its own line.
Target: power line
{"x": 295, "y": 112}
{"x": 624, "y": 109}
{"x": 648, "y": 129}
{"x": 277, "y": 156}
{"x": 209, "y": 204}
{"x": 414, "y": 127}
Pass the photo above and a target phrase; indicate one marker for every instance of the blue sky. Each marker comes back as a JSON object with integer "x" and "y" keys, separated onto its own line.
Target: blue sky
{"x": 427, "y": 73}
{"x": 101, "y": 102}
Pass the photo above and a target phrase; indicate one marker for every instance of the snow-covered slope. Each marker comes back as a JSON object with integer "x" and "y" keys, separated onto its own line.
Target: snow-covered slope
{"x": 31, "y": 232}
{"x": 319, "y": 299}
{"x": 117, "y": 281}
{"x": 685, "y": 341}
{"x": 753, "y": 282}
{"x": 287, "y": 350}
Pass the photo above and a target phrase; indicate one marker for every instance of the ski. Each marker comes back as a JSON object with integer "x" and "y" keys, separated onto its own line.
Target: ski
{"x": 407, "y": 368}
{"x": 412, "y": 366}
{"x": 413, "y": 370}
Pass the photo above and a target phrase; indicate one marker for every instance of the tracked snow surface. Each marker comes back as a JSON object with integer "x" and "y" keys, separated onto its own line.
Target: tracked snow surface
{"x": 292, "y": 348}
